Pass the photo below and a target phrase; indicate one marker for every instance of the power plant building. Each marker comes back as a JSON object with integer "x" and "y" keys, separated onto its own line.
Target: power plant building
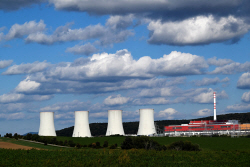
{"x": 47, "y": 127}
{"x": 81, "y": 128}
{"x": 245, "y": 127}
{"x": 114, "y": 123}
{"x": 204, "y": 126}
{"x": 146, "y": 125}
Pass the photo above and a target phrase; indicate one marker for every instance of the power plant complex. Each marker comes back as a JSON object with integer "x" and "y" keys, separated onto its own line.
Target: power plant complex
{"x": 146, "y": 125}
{"x": 205, "y": 127}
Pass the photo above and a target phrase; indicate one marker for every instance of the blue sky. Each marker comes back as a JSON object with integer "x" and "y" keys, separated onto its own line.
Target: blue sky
{"x": 169, "y": 55}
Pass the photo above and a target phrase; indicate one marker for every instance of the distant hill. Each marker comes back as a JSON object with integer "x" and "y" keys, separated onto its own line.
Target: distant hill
{"x": 30, "y": 133}
{"x": 242, "y": 117}
{"x": 98, "y": 129}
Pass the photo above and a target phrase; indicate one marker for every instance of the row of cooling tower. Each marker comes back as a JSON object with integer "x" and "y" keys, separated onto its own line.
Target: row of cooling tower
{"x": 81, "y": 129}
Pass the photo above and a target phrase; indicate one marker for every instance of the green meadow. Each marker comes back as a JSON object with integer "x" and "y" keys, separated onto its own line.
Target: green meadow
{"x": 31, "y": 144}
{"x": 216, "y": 151}
{"x": 206, "y": 143}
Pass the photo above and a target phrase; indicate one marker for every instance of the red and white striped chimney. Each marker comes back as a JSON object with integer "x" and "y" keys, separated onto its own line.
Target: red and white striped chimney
{"x": 214, "y": 106}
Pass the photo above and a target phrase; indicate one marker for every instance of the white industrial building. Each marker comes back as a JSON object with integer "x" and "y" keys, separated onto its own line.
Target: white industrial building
{"x": 146, "y": 125}
{"x": 115, "y": 123}
{"x": 47, "y": 127}
{"x": 81, "y": 128}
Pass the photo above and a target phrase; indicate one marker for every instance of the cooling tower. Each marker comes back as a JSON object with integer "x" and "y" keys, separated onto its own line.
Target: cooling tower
{"x": 115, "y": 123}
{"x": 146, "y": 125}
{"x": 47, "y": 127}
{"x": 81, "y": 128}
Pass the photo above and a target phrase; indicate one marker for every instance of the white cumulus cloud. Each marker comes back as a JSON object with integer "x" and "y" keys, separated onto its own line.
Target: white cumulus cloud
{"x": 27, "y": 85}
{"x": 203, "y": 113}
{"x": 246, "y": 97}
{"x": 243, "y": 107}
{"x": 18, "y": 97}
{"x": 99, "y": 115}
{"x": 5, "y": 63}
{"x": 156, "y": 92}
{"x": 122, "y": 64}
{"x": 156, "y": 8}
{"x": 208, "y": 97}
{"x": 31, "y": 27}
{"x": 68, "y": 115}
{"x": 198, "y": 30}
{"x": 14, "y": 97}
{"x": 105, "y": 35}
{"x": 1, "y": 36}
{"x": 26, "y": 68}
{"x": 85, "y": 49}
{"x": 67, "y": 106}
{"x": 169, "y": 113}
{"x": 12, "y": 116}
{"x": 116, "y": 100}
{"x": 232, "y": 68}
{"x": 244, "y": 81}
{"x": 219, "y": 62}
{"x": 210, "y": 81}
{"x": 120, "y": 22}
{"x": 14, "y": 107}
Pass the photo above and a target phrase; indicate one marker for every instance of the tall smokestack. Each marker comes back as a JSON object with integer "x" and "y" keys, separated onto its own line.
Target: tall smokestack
{"x": 214, "y": 106}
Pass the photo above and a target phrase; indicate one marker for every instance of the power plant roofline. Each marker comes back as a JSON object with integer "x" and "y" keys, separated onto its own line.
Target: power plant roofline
{"x": 114, "y": 123}
{"x": 47, "y": 127}
{"x": 146, "y": 125}
{"x": 81, "y": 128}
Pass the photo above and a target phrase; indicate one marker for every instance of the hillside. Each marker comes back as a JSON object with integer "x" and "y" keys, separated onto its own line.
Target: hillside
{"x": 98, "y": 129}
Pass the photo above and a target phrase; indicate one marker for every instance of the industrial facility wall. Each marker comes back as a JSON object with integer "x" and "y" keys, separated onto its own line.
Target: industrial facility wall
{"x": 200, "y": 128}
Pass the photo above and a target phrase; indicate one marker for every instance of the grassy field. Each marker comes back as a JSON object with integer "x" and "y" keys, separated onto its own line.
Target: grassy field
{"x": 206, "y": 143}
{"x": 30, "y": 144}
{"x": 216, "y": 151}
{"x": 211, "y": 143}
{"x": 106, "y": 157}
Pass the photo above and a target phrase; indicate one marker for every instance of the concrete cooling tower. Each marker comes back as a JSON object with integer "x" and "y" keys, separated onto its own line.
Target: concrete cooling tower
{"x": 81, "y": 128}
{"x": 115, "y": 123}
{"x": 47, "y": 127}
{"x": 146, "y": 125}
